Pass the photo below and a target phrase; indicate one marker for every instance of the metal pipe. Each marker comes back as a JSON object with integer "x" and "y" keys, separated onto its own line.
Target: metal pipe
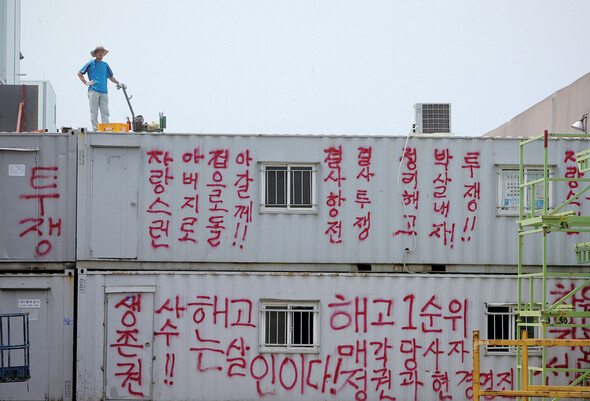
{"x": 475, "y": 374}
{"x": 525, "y": 364}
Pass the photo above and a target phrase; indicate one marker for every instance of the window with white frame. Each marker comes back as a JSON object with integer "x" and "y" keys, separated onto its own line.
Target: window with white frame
{"x": 288, "y": 187}
{"x": 501, "y": 324}
{"x": 509, "y": 191}
{"x": 289, "y": 326}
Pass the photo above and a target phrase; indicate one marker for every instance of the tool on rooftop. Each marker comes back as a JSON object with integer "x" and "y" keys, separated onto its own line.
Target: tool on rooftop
{"x": 138, "y": 122}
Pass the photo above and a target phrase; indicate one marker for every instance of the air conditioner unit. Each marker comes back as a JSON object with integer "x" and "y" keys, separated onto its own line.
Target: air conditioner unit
{"x": 433, "y": 118}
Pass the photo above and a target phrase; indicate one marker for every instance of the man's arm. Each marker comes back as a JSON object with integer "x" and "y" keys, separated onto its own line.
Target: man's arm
{"x": 114, "y": 80}
{"x": 81, "y": 76}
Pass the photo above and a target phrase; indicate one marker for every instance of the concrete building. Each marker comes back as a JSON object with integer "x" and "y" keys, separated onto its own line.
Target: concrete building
{"x": 556, "y": 113}
{"x": 35, "y": 104}
{"x": 10, "y": 42}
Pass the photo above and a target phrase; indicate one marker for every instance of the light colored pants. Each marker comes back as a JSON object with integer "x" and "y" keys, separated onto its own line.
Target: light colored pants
{"x": 97, "y": 100}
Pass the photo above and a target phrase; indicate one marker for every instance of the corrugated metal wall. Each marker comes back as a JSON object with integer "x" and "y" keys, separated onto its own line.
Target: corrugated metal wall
{"x": 380, "y": 336}
{"x": 49, "y": 300}
{"x": 37, "y": 198}
{"x": 38, "y": 233}
{"x": 195, "y": 198}
{"x": 136, "y": 203}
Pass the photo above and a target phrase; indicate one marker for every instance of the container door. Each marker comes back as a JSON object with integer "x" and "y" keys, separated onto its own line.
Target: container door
{"x": 18, "y": 216}
{"x": 35, "y": 303}
{"x": 129, "y": 350}
{"x": 113, "y": 220}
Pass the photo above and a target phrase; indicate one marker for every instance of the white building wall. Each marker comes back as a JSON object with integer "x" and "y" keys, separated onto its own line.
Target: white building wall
{"x": 555, "y": 113}
{"x": 10, "y": 42}
{"x": 46, "y": 105}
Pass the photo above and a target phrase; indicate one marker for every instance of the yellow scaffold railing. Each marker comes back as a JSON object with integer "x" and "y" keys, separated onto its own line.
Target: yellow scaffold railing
{"x": 528, "y": 390}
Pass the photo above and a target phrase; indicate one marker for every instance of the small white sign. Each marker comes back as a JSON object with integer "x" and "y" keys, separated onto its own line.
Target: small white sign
{"x": 29, "y": 303}
{"x": 82, "y": 286}
{"x": 16, "y": 170}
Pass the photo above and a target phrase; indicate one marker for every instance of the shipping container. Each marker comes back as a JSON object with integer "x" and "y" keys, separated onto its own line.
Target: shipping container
{"x": 219, "y": 267}
{"x": 37, "y": 200}
{"x": 48, "y": 302}
{"x": 339, "y": 202}
{"x": 317, "y": 336}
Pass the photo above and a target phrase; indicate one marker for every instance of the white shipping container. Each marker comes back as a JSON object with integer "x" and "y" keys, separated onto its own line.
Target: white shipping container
{"x": 208, "y": 198}
{"x": 48, "y": 299}
{"x": 37, "y": 199}
{"x": 211, "y": 336}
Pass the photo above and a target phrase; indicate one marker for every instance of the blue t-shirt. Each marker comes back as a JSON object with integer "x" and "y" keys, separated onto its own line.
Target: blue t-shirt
{"x": 99, "y": 71}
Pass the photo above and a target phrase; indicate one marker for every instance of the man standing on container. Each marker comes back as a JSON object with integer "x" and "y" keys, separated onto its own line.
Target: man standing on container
{"x": 98, "y": 71}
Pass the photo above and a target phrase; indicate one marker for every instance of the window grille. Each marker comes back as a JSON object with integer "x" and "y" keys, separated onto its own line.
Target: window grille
{"x": 14, "y": 347}
{"x": 502, "y": 325}
{"x": 289, "y": 327}
{"x": 288, "y": 187}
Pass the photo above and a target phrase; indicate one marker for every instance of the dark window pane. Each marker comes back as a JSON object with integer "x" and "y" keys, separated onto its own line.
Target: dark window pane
{"x": 270, "y": 188}
{"x": 276, "y": 326}
{"x": 301, "y": 187}
{"x": 276, "y": 185}
{"x": 303, "y": 325}
{"x": 498, "y": 326}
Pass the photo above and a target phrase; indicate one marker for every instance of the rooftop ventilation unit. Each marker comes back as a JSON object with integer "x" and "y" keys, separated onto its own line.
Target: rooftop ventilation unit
{"x": 433, "y": 118}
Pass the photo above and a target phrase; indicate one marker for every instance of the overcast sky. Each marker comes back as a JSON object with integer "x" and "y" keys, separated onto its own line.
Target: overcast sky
{"x": 309, "y": 66}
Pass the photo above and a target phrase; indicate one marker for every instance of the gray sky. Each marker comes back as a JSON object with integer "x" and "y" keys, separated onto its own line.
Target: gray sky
{"x": 309, "y": 66}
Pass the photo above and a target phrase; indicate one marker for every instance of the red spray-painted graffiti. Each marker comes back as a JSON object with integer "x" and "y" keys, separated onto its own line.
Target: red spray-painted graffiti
{"x": 177, "y": 213}
{"x": 580, "y": 302}
{"x": 572, "y": 171}
{"x": 219, "y": 159}
{"x": 43, "y": 185}
{"x": 243, "y": 210}
{"x": 160, "y": 178}
{"x": 190, "y": 202}
{"x": 130, "y": 370}
{"x": 169, "y": 331}
{"x": 471, "y": 195}
{"x": 216, "y": 202}
{"x": 334, "y": 200}
{"x": 409, "y": 189}
{"x": 397, "y": 346}
{"x": 442, "y": 206}
{"x": 386, "y": 345}
{"x": 363, "y": 222}
{"x": 445, "y": 230}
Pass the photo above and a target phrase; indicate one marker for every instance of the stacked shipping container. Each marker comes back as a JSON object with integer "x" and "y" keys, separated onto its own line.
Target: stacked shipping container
{"x": 243, "y": 266}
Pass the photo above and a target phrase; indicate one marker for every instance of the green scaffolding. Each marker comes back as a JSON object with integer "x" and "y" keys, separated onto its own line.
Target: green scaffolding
{"x": 541, "y": 221}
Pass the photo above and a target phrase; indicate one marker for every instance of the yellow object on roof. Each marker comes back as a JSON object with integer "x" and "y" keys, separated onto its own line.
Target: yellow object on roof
{"x": 113, "y": 127}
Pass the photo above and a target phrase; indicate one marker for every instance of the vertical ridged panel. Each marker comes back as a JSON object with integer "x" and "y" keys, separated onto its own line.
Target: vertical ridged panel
{"x": 207, "y": 326}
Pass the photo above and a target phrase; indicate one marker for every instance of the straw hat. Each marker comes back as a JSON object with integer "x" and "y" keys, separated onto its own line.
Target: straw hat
{"x": 93, "y": 52}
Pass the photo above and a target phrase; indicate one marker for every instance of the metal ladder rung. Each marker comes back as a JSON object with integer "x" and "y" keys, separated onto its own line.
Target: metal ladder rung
{"x": 583, "y": 160}
{"x": 583, "y": 252}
